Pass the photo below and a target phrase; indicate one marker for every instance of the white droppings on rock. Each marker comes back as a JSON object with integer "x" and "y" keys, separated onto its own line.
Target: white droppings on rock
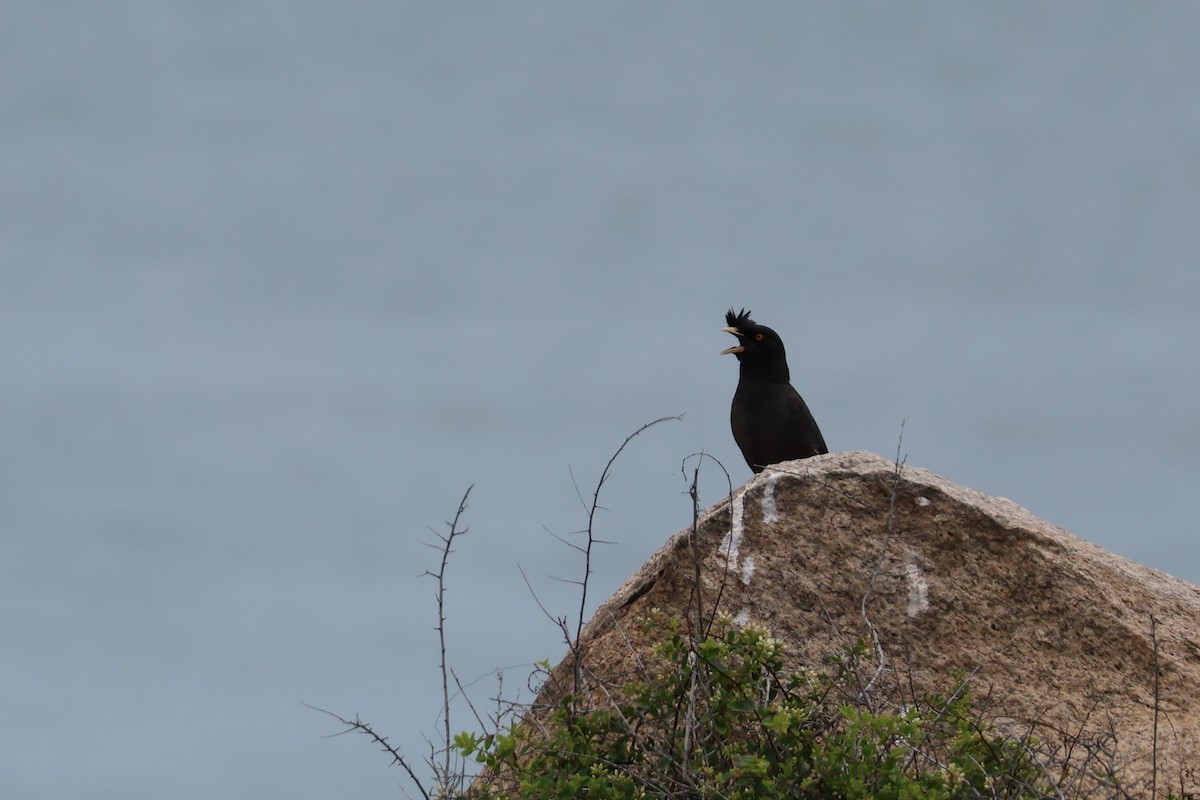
{"x": 918, "y": 590}
{"x": 732, "y": 542}
{"x": 747, "y": 570}
{"x": 769, "y": 511}
{"x": 742, "y": 617}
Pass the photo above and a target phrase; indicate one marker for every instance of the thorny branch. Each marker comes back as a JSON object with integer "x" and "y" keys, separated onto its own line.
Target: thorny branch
{"x": 591, "y": 540}
{"x": 440, "y": 577}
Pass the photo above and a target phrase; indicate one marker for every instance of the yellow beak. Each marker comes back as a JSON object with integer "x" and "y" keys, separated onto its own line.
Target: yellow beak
{"x": 737, "y": 348}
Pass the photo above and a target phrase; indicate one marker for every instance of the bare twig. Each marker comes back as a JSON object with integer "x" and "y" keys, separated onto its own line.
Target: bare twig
{"x": 440, "y": 577}
{"x": 698, "y": 629}
{"x": 397, "y": 758}
{"x": 463, "y": 693}
{"x": 559, "y": 621}
{"x": 591, "y": 540}
{"x": 729, "y": 561}
{"x": 694, "y": 494}
{"x": 697, "y": 587}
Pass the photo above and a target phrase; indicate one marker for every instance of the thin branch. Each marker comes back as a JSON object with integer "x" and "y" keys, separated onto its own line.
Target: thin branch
{"x": 697, "y": 586}
{"x": 362, "y": 727}
{"x": 536, "y": 599}
{"x": 440, "y": 576}
{"x": 462, "y": 692}
{"x": 694, "y": 493}
{"x": 591, "y": 539}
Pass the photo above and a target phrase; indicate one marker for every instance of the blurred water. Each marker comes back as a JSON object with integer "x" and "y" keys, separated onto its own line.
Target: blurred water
{"x": 278, "y": 281}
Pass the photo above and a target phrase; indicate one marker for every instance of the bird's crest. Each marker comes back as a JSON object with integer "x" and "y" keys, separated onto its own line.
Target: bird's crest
{"x": 738, "y": 320}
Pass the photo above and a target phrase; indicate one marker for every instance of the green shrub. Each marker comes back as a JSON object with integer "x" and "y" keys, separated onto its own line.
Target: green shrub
{"x": 724, "y": 718}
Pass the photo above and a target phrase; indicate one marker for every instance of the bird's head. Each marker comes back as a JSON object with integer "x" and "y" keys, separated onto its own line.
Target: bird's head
{"x": 758, "y": 347}
{"x": 754, "y": 341}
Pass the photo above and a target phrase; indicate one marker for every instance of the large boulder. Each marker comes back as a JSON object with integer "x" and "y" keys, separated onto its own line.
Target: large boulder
{"x": 937, "y": 580}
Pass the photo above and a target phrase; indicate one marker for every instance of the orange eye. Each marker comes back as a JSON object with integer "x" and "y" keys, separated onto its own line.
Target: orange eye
{"x": 758, "y": 337}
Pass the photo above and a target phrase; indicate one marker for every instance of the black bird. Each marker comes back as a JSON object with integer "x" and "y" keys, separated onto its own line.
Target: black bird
{"x": 771, "y": 422}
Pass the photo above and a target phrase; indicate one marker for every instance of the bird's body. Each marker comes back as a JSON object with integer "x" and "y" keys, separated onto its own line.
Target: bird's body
{"x": 770, "y": 420}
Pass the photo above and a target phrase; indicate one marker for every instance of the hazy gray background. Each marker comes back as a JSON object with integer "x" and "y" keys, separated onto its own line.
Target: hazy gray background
{"x": 281, "y": 279}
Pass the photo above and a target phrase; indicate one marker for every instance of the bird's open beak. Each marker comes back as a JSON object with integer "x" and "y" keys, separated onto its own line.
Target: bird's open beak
{"x": 737, "y": 348}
